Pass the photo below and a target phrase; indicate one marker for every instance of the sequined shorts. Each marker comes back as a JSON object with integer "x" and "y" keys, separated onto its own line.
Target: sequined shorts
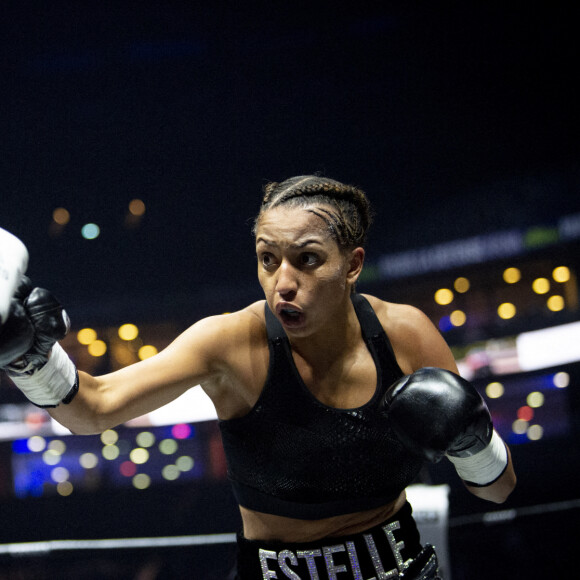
{"x": 387, "y": 551}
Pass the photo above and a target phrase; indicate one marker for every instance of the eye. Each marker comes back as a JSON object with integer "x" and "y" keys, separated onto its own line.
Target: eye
{"x": 309, "y": 259}
{"x": 266, "y": 259}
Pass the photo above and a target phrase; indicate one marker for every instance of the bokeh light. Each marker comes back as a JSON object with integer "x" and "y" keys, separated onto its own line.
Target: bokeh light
{"x": 561, "y": 274}
{"x": 128, "y": 332}
{"x": 512, "y": 275}
{"x": 90, "y": 231}
{"x": 147, "y": 351}
{"x": 506, "y": 310}
{"x": 444, "y": 296}
{"x": 461, "y": 285}
{"x": 86, "y": 336}
{"x": 541, "y": 285}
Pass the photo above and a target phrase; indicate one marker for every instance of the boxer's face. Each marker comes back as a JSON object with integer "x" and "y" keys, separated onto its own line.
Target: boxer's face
{"x": 304, "y": 273}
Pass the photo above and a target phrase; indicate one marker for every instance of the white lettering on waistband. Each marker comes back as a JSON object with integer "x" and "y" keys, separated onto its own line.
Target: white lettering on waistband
{"x": 287, "y": 559}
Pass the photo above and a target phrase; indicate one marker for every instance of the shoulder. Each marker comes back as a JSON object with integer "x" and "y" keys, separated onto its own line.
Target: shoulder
{"x": 415, "y": 339}
{"x": 223, "y": 332}
{"x": 399, "y": 318}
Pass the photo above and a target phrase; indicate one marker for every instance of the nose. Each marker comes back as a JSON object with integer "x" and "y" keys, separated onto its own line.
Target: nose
{"x": 287, "y": 281}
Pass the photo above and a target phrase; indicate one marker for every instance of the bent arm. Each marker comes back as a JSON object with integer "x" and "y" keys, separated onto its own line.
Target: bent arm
{"x": 419, "y": 345}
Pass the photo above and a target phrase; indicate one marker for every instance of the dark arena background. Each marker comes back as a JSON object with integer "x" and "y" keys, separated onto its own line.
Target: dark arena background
{"x": 136, "y": 139}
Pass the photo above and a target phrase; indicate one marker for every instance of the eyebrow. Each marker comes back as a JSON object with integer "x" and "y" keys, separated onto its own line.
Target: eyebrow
{"x": 298, "y": 246}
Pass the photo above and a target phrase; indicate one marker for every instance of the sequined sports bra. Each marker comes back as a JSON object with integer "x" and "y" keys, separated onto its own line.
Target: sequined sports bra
{"x": 293, "y": 456}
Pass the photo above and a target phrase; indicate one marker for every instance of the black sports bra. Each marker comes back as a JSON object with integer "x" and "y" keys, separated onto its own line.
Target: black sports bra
{"x": 293, "y": 456}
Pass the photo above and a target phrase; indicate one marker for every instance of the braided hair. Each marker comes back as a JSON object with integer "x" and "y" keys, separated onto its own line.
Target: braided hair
{"x": 344, "y": 208}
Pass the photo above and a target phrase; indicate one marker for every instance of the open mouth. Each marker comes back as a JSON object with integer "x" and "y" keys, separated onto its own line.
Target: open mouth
{"x": 291, "y": 317}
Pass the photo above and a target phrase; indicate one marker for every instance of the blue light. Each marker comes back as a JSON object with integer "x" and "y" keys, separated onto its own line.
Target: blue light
{"x": 445, "y": 324}
{"x": 90, "y": 231}
{"x": 20, "y": 446}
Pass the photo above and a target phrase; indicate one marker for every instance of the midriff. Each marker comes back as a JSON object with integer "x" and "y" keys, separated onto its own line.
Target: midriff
{"x": 268, "y": 527}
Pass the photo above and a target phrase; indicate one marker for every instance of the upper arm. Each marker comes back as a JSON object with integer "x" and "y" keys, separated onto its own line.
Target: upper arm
{"x": 197, "y": 355}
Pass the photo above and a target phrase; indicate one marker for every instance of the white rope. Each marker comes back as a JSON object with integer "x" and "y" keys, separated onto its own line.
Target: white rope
{"x": 40, "y": 548}
{"x": 120, "y": 543}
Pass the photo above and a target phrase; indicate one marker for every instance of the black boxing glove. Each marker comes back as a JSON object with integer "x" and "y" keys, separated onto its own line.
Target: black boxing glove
{"x": 44, "y": 372}
{"x": 435, "y": 412}
{"x": 16, "y": 334}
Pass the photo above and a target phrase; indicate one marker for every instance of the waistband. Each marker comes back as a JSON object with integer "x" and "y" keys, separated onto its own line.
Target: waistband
{"x": 383, "y": 551}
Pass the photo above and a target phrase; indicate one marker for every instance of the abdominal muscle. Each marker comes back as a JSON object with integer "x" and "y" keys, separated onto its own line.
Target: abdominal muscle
{"x": 268, "y": 527}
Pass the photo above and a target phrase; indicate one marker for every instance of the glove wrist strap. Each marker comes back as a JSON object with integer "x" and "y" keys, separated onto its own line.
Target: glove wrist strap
{"x": 484, "y": 467}
{"x": 55, "y": 382}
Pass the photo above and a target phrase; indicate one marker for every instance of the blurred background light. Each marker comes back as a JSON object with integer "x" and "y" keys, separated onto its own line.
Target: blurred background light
{"x": 561, "y": 274}
{"x": 97, "y": 348}
{"x": 90, "y": 231}
{"x": 147, "y": 351}
{"x": 541, "y": 285}
{"x": 461, "y": 285}
{"x": 444, "y": 296}
{"x": 506, "y": 310}
{"x": 128, "y": 332}
{"x": 61, "y": 216}
{"x": 494, "y": 390}
{"x": 555, "y": 303}
{"x": 86, "y": 336}
{"x": 512, "y": 275}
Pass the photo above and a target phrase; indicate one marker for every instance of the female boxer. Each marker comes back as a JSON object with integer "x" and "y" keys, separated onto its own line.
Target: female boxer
{"x": 329, "y": 401}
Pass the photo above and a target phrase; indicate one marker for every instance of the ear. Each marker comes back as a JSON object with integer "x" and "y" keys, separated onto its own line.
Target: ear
{"x": 355, "y": 265}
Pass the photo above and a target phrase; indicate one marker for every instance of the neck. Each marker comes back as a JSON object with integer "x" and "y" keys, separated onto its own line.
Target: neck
{"x": 331, "y": 341}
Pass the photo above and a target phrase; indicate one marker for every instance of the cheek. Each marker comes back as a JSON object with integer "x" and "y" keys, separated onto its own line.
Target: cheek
{"x": 333, "y": 276}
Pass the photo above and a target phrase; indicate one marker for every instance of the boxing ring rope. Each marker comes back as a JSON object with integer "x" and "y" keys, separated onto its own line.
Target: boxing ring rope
{"x": 44, "y": 548}
{"x": 47, "y": 547}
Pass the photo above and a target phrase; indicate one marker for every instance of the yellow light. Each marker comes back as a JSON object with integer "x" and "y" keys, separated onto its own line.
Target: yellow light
{"x": 87, "y": 336}
{"x": 457, "y": 318}
{"x": 541, "y": 285}
{"x": 170, "y": 472}
{"x": 561, "y": 274}
{"x": 444, "y": 296}
{"x": 110, "y": 452}
{"x": 57, "y": 446}
{"x": 141, "y": 481}
{"x": 147, "y": 351}
{"x": 88, "y": 460}
{"x": 139, "y": 455}
{"x": 535, "y": 432}
{"x": 561, "y": 380}
{"x": 506, "y": 310}
{"x": 64, "y": 488}
{"x": 461, "y": 285}
{"x": 97, "y": 348}
{"x": 555, "y": 303}
{"x": 512, "y": 275}
{"x": 61, "y": 216}
{"x": 128, "y": 332}
{"x": 185, "y": 463}
{"x": 168, "y": 446}
{"x": 109, "y": 437}
{"x": 535, "y": 399}
{"x": 145, "y": 439}
{"x": 494, "y": 390}
{"x": 51, "y": 457}
{"x": 137, "y": 207}
{"x": 519, "y": 426}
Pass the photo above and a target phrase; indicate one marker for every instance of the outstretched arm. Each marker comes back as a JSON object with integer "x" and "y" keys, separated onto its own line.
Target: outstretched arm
{"x": 37, "y": 364}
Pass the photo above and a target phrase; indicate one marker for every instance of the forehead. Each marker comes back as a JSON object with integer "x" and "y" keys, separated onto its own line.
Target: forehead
{"x": 291, "y": 225}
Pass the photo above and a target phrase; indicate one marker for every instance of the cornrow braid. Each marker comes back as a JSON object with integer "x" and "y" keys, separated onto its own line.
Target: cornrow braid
{"x": 350, "y": 217}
